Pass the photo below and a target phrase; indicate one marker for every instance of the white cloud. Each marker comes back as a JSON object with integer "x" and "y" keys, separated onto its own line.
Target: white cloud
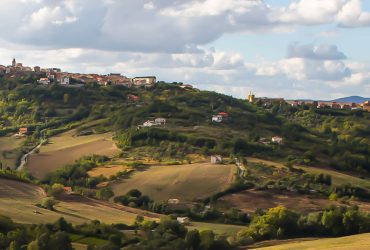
{"x": 315, "y": 52}
{"x": 351, "y": 15}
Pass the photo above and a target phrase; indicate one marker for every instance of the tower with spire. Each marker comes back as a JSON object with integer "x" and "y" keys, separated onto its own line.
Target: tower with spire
{"x": 251, "y": 97}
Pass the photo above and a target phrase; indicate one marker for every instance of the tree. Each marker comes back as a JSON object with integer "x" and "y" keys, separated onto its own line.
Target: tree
{"x": 105, "y": 193}
{"x": 56, "y": 190}
{"x": 48, "y": 203}
{"x": 192, "y": 240}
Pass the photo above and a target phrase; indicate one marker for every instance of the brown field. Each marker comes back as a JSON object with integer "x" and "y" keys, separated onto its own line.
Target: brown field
{"x": 18, "y": 200}
{"x": 108, "y": 170}
{"x": 249, "y": 201}
{"x": 67, "y": 148}
{"x": 184, "y": 182}
{"x": 338, "y": 178}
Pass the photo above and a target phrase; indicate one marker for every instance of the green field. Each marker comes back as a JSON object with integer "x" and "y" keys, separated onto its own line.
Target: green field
{"x": 9, "y": 146}
{"x": 66, "y": 148}
{"x": 220, "y": 229}
{"x": 355, "y": 242}
{"x": 183, "y": 182}
{"x": 18, "y": 201}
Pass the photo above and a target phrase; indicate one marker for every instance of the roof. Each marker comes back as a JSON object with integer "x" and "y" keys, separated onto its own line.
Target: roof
{"x": 67, "y": 189}
{"x": 23, "y": 129}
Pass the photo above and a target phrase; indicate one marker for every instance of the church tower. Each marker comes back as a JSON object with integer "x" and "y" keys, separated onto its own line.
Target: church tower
{"x": 14, "y": 63}
{"x": 251, "y": 97}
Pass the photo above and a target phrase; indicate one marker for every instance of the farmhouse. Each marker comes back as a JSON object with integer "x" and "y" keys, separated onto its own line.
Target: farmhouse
{"x": 160, "y": 121}
{"x": 277, "y": 140}
{"x": 156, "y": 122}
{"x": 23, "y": 131}
{"x": 217, "y": 118}
{"x": 216, "y": 159}
{"x": 68, "y": 190}
{"x": 173, "y": 201}
{"x": 133, "y": 98}
{"x": 183, "y": 220}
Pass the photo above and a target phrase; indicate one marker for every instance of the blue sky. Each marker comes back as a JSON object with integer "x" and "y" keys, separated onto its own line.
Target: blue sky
{"x": 281, "y": 48}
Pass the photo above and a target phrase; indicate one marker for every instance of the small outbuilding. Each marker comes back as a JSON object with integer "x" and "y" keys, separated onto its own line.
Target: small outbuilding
{"x": 216, "y": 159}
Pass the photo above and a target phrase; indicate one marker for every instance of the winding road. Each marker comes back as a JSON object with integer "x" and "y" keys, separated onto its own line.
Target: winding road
{"x": 24, "y": 158}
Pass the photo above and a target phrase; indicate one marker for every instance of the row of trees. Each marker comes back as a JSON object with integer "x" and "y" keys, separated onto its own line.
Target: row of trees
{"x": 280, "y": 223}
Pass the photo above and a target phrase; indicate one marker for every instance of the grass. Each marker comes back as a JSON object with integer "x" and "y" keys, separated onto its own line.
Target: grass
{"x": 184, "y": 182}
{"x": 220, "y": 229}
{"x": 18, "y": 201}
{"x": 9, "y": 146}
{"x": 355, "y": 242}
{"x": 66, "y": 148}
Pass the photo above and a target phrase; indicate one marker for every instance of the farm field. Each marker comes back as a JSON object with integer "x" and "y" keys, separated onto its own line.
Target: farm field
{"x": 18, "y": 201}
{"x": 338, "y": 178}
{"x": 108, "y": 170}
{"x": 355, "y": 242}
{"x": 9, "y": 146}
{"x": 66, "y": 148}
{"x": 183, "y": 182}
{"x": 249, "y": 200}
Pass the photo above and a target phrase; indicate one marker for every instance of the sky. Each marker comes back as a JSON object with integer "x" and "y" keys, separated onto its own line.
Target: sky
{"x": 295, "y": 49}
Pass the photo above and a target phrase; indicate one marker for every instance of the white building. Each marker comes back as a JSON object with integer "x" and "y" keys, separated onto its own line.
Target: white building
{"x": 44, "y": 81}
{"x": 277, "y": 139}
{"x": 216, "y": 159}
{"x": 65, "y": 80}
{"x": 217, "y": 118}
{"x": 183, "y": 220}
{"x": 160, "y": 121}
{"x": 144, "y": 81}
{"x": 173, "y": 201}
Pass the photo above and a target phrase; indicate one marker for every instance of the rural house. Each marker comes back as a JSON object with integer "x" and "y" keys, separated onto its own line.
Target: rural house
{"x": 144, "y": 81}
{"x": 23, "y": 131}
{"x": 160, "y": 121}
{"x": 217, "y": 118}
{"x": 133, "y": 98}
{"x": 183, "y": 220}
{"x": 173, "y": 201}
{"x": 68, "y": 190}
{"x": 277, "y": 139}
{"x": 216, "y": 159}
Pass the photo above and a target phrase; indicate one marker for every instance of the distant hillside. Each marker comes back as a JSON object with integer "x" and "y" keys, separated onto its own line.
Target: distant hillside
{"x": 355, "y": 99}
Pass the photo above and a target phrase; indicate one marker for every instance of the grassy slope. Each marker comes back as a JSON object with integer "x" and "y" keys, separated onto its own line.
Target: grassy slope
{"x": 184, "y": 182}
{"x": 10, "y": 144}
{"x": 17, "y": 201}
{"x": 355, "y": 242}
{"x": 66, "y": 148}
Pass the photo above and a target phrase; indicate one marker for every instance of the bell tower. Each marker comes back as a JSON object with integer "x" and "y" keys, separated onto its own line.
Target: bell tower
{"x": 14, "y": 62}
{"x": 251, "y": 97}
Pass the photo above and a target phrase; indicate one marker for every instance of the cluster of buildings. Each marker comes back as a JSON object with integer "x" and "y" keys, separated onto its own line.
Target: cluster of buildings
{"x": 317, "y": 104}
{"x": 332, "y": 105}
{"x": 55, "y": 75}
{"x": 153, "y": 123}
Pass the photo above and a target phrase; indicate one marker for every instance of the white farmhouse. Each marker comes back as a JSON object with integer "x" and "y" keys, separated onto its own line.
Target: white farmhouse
{"x": 160, "y": 121}
{"x": 277, "y": 140}
{"x": 183, "y": 220}
{"x": 217, "y": 118}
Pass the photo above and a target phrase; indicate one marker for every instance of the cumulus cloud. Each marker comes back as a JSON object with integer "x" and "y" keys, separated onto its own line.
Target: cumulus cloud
{"x": 161, "y": 25}
{"x": 315, "y": 52}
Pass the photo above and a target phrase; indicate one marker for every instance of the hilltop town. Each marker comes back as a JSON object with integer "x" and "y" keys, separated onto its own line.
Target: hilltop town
{"x": 48, "y": 76}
